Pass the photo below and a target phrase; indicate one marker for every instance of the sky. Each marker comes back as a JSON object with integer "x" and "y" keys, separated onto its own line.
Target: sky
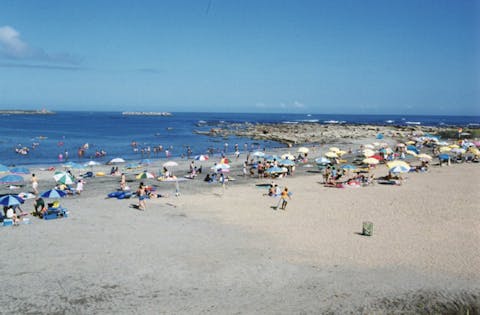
{"x": 298, "y": 56}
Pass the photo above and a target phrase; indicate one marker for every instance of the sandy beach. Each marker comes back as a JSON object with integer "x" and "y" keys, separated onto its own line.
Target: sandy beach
{"x": 223, "y": 251}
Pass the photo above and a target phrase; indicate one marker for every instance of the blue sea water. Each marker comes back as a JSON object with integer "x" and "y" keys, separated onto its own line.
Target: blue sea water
{"x": 113, "y": 132}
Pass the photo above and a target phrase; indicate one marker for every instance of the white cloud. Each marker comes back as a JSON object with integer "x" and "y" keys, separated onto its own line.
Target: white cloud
{"x": 13, "y": 47}
{"x": 11, "y": 43}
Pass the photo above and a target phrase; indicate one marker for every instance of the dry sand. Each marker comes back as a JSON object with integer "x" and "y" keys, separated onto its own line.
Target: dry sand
{"x": 227, "y": 251}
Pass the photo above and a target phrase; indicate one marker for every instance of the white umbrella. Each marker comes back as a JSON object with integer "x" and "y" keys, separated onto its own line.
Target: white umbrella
{"x": 170, "y": 164}
{"x": 258, "y": 154}
{"x": 288, "y": 156}
{"x": 91, "y": 163}
{"x": 116, "y": 160}
{"x": 64, "y": 178}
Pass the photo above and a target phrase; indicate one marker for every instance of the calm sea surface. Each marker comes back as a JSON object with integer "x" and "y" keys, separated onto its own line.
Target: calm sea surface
{"x": 48, "y": 136}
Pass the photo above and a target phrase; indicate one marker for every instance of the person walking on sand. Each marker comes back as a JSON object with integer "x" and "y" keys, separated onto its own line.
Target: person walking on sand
{"x": 34, "y": 184}
{"x": 283, "y": 197}
{"x": 142, "y": 196}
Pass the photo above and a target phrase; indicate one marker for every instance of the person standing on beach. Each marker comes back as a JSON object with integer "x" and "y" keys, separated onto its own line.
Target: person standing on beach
{"x": 142, "y": 196}
{"x": 34, "y": 184}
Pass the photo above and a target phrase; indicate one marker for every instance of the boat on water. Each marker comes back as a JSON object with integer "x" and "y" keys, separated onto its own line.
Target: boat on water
{"x": 413, "y": 123}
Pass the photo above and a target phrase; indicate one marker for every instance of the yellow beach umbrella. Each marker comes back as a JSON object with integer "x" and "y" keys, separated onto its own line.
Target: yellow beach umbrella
{"x": 424, "y": 156}
{"x": 334, "y": 149}
{"x": 411, "y": 152}
{"x": 340, "y": 153}
{"x": 410, "y": 142}
{"x": 445, "y": 149}
{"x": 397, "y": 163}
{"x": 454, "y": 146}
{"x": 474, "y": 150}
{"x": 331, "y": 154}
{"x": 368, "y": 153}
{"x": 371, "y": 161}
{"x": 303, "y": 150}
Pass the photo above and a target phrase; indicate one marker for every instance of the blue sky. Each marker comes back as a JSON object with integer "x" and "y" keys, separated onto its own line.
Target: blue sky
{"x": 355, "y": 57}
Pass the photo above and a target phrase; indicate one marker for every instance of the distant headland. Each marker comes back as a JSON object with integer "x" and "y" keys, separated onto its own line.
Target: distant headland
{"x": 25, "y": 112}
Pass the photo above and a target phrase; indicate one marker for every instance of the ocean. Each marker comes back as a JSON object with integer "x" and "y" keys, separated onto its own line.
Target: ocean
{"x": 48, "y": 136}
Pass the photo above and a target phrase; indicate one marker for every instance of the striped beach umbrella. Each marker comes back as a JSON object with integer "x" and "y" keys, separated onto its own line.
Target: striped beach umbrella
{"x": 53, "y": 193}
{"x": 10, "y": 200}
{"x": 201, "y": 157}
{"x": 145, "y": 175}
{"x": 64, "y": 178}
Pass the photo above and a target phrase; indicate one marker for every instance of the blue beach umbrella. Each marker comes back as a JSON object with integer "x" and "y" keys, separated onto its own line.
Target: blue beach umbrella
{"x": 270, "y": 158}
{"x": 348, "y": 167}
{"x": 53, "y": 193}
{"x": 3, "y": 169}
{"x": 322, "y": 160}
{"x": 10, "y": 200}
{"x": 275, "y": 169}
{"x": 286, "y": 162}
{"x": 145, "y": 162}
{"x": 444, "y": 156}
{"x": 11, "y": 179}
{"x": 19, "y": 170}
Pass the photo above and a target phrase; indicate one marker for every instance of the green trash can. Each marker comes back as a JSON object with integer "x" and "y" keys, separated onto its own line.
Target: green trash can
{"x": 367, "y": 228}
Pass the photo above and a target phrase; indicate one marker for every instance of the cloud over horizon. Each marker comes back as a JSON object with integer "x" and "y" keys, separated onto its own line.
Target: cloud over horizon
{"x": 13, "y": 47}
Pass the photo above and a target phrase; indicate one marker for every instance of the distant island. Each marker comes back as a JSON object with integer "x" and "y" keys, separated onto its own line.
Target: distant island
{"x": 25, "y": 112}
{"x": 147, "y": 113}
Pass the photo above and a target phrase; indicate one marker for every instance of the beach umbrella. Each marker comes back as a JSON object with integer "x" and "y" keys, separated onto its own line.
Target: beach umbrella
{"x": 303, "y": 150}
{"x": 474, "y": 151}
{"x": 348, "y": 167}
{"x": 368, "y": 153}
{"x": 411, "y": 152}
{"x": 412, "y": 148}
{"x": 424, "y": 156}
{"x": 220, "y": 166}
{"x": 201, "y": 157}
{"x": 10, "y": 200}
{"x": 322, "y": 160}
{"x": 3, "y": 169}
{"x": 64, "y": 178}
{"x": 331, "y": 154}
{"x": 19, "y": 170}
{"x": 275, "y": 170}
{"x": 258, "y": 154}
{"x": 370, "y": 161}
{"x": 340, "y": 153}
{"x": 170, "y": 164}
{"x": 91, "y": 163}
{"x": 145, "y": 175}
{"x": 458, "y": 151}
{"x": 376, "y": 156}
{"x": 410, "y": 142}
{"x": 369, "y": 146}
{"x": 398, "y": 163}
{"x": 11, "y": 179}
{"x": 286, "y": 162}
{"x": 334, "y": 149}
{"x": 116, "y": 161}
{"x": 53, "y": 193}
{"x": 454, "y": 146}
{"x": 445, "y": 149}
{"x": 399, "y": 169}
{"x": 287, "y": 156}
{"x": 443, "y": 156}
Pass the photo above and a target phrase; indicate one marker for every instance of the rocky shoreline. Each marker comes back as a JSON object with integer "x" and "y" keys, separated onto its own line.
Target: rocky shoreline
{"x": 309, "y": 133}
